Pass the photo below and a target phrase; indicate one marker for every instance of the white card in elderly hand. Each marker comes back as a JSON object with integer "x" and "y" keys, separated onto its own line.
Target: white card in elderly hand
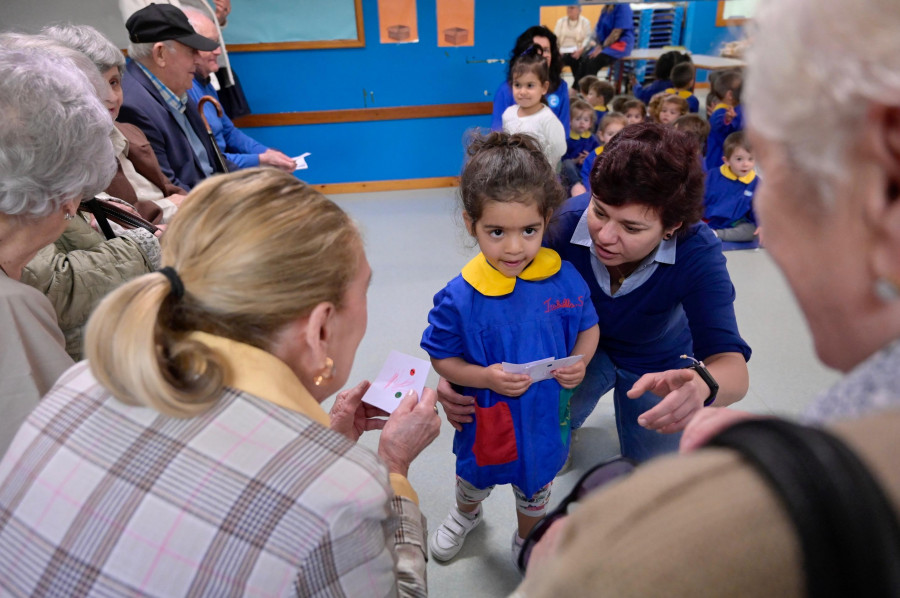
{"x": 300, "y": 161}
{"x": 400, "y": 374}
{"x": 540, "y": 369}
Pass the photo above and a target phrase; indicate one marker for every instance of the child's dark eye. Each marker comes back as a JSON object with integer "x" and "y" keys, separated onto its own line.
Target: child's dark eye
{"x": 495, "y": 232}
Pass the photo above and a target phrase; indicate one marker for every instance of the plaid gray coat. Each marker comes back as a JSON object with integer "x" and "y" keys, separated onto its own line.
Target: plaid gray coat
{"x": 100, "y": 498}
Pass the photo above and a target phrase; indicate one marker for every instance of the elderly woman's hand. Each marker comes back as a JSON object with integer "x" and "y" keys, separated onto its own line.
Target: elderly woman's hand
{"x": 458, "y": 408}
{"x": 351, "y": 417}
{"x": 410, "y": 428}
{"x": 682, "y": 392}
{"x": 708, "y": 423}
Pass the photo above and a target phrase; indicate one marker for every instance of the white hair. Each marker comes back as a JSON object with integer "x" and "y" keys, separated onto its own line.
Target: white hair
{"x": 814, "y": 67}
{"x": 90, "y": 42}
{"x": 196, "y": 16}
{"x": 54, "y": 134}
{"x": 142, "y": 51}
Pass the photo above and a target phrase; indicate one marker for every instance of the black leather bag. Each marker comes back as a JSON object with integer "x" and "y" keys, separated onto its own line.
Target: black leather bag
{"x": 846, "y": 526}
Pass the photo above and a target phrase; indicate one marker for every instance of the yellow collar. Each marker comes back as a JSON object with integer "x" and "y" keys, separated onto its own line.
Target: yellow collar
{"x": 585, "y": 135}
{"x": 682, "y": 93}
{"x": 721, "y": 105}
{"x": 261, "y": 374}
{"x": 601, "y": 108}
{"x": 490, "y": 282}
{"x": 599, "y": 149}
{"x": 728, "y": 174}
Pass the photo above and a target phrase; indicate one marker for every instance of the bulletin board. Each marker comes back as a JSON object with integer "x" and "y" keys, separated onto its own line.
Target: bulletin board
{"x": 734, "y": 12}
{"x": 264, "y": 25}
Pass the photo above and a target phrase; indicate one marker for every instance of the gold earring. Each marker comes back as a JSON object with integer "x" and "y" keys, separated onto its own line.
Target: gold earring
{"x": 325, "y": 373}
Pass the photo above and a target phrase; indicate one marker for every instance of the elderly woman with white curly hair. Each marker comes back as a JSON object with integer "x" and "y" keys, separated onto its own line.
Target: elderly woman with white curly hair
{"x": 823, "y": 106}
{"x": 76, "y": 270}
{"x": 54, "y": 151}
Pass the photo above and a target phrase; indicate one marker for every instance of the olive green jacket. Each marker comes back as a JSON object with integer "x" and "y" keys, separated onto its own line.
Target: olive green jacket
{"x": 78, "y": 270}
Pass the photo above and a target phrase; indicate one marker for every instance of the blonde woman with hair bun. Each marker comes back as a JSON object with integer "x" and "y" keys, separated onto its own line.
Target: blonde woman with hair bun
{"x": 196, "y": 419}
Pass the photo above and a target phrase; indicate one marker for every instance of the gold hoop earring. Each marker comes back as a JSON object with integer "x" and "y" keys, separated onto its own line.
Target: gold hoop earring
{"x": 326, "y": 373}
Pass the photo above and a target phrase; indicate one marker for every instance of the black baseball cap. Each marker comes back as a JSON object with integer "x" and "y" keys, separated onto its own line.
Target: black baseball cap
{"x": 164, "y": 22}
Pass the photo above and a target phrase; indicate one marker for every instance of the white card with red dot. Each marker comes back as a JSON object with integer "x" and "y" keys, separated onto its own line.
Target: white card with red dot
{"x": 400, "y": 374}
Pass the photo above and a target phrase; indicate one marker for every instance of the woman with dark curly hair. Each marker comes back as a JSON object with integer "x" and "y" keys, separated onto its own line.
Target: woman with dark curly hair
{"x": 557, "y": 97}
{"x": 669, "y": 342}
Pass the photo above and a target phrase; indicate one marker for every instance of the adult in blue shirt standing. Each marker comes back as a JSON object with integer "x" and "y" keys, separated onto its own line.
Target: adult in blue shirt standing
{"x": 659, "y": 284}
{"x": 237, "y": 146}
{"x": 558, "y": 93}
{"x": 614, "y": 36}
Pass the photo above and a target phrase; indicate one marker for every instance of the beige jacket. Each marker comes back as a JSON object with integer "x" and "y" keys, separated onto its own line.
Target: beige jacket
{"x": 701, "y": 525}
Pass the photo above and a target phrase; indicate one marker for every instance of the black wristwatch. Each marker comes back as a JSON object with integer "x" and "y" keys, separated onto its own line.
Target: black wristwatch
{"x": 700, "y": 368}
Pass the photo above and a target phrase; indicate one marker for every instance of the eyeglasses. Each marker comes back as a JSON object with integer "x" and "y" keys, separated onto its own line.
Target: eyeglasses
{"x": 597, "y": 477}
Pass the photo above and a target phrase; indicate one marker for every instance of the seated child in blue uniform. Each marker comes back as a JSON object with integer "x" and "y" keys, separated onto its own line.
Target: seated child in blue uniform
{"x": 727, "y": 115}
{"x": 728, "y": 204}
{"x": 611, "y": 124}
{"x": 580, "y": 143}
{"x": 683, "y": 85}
{"x": 599, "y": 94}
{"x": 671, "y": 108}
{"x": 635, "y": 111}
{"x": 514, "y": 302}
{"x": 698, "y": 128}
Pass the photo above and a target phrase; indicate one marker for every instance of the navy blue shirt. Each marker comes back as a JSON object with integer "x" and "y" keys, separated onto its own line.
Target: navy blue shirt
{"x": 645, "y": 94}
{"x": 684, "y": 307}
{"x": 729, "y": 200}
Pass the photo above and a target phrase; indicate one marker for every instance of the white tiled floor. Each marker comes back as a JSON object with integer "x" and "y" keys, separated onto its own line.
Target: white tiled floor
{"x": 415, "y": 244}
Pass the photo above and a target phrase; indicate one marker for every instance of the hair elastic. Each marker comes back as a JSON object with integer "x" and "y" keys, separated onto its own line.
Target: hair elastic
{"x": 174, "y": 280}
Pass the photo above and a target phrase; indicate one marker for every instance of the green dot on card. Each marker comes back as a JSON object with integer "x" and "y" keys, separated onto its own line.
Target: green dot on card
{"x": 397, "y": 394}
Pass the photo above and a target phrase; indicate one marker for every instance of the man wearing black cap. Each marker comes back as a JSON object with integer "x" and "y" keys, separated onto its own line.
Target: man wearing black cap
{"x": 163, "y": 54}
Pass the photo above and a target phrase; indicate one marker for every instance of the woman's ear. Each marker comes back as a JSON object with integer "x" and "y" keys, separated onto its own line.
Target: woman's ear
{"x": 882, "y": 205}
{"x": 670, "y": 232}
{"x": 470, "y": 224}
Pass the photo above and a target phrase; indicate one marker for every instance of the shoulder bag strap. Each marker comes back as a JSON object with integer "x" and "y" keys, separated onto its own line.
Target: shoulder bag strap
{"x": 847, "y": 528}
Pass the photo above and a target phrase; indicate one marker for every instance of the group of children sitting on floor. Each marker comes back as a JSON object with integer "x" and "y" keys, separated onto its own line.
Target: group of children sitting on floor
{"x": 597, "y": 114}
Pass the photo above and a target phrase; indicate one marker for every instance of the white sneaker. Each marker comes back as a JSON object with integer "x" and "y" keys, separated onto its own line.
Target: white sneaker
{"x": 516, "y": 548}
{"x": 449, "y": 537}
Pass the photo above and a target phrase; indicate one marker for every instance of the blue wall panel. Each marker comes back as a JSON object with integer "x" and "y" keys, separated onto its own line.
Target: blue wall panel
{"x": 400, "y": 75}
{"x": 381, "y": 150}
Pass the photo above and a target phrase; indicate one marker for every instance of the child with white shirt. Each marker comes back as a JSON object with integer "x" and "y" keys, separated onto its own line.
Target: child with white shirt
{"x": 530, "y": 80}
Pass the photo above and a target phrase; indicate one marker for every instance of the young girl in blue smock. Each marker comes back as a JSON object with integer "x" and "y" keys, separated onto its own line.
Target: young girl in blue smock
{"x": 515, "y": 302}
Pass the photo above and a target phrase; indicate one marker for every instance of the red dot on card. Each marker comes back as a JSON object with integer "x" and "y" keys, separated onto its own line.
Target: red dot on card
{"x": 412, "y": 372}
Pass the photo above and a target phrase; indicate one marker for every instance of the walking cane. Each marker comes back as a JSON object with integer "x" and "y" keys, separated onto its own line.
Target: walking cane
{"x": 219, "y": 157}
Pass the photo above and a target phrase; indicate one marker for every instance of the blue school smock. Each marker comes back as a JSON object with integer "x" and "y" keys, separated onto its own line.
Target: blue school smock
{"x": 718, "y": 131}
{"x": 645, "y": 94}
{"x": 599, "y": 112}
{"x": 684, "y": 308}
{"x": 479, "y": 317}
{"x": 575, "y": 144}
{"x": 729, "y": 199}
{"x": 693, "y": 102}
{"x": 588, "y": 164}
{"x": 620, "y": 17}
{"x": 557, "y": 101}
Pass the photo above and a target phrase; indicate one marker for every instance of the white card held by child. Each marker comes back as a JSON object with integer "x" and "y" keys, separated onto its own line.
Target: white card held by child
{"x": 540, "y": 369}
{"x": 400, "y": 374}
